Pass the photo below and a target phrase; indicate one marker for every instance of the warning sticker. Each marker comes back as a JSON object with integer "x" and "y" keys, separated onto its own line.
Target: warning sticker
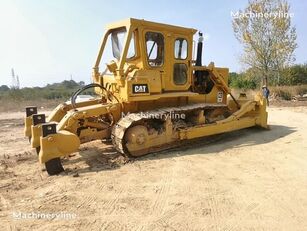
{"x": 219, "y": 96}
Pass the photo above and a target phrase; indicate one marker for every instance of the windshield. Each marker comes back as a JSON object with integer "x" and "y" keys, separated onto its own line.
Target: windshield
{"x": 118, "y": 38}
{"x": 114, "y": 48}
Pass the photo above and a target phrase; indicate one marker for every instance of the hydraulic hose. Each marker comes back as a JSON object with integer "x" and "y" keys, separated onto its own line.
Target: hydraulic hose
{"x": 76, "y": 93}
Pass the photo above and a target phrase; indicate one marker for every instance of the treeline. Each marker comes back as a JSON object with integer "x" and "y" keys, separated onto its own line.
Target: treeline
{"x": 252, "y": 79}
{"x": 295, "y": 75}
{"x": 62, "y": 90}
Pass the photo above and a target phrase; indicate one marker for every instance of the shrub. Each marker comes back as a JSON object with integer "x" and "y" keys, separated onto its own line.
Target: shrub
{"x": 287, "y": 92}
{"x": 241, "y": 81}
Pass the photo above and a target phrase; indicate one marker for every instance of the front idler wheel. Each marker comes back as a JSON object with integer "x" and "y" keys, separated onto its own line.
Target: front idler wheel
{"x": 54, "y": 166}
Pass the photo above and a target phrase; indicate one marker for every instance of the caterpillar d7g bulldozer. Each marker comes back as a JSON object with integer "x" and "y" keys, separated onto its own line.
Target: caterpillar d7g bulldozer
{"x": 152, "y": 95}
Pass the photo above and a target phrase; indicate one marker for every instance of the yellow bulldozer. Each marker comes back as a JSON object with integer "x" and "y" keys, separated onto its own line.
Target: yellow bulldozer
{"x": 153, "y": 94}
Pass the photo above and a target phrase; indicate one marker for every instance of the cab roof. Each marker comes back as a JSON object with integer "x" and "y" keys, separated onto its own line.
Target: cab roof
{"x": 152, "y": 25}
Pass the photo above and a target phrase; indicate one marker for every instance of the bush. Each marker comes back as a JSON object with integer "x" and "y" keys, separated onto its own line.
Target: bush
{"x": 286, "y": 95}
{"x": 301, "y": 90}
{"x": 4, "y": 88}
{"x": 294, "y": 75}
{"x": 241, "y": 81}
{"x": 287, "y": 92}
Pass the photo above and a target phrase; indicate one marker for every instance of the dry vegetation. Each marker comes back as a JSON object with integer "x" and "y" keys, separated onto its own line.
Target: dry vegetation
{"x": 10, "y": 105}
{"x": 288, "y": 92}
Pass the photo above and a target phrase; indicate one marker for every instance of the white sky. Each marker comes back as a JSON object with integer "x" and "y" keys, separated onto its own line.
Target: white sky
{"x": 46, "y": 41}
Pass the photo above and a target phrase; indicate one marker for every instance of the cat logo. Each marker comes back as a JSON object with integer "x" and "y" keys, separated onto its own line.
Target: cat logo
{"x": 139, "y": 88}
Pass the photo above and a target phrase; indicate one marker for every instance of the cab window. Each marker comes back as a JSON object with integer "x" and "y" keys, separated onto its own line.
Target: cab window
{"x": 180, "y": 74}
{"x": 114, "y": 48}
{"x": 131, "y": 49}
{"x": 117, "y": 39}
{"x": 181, "y": 48}
{"x": 154, "y": 48}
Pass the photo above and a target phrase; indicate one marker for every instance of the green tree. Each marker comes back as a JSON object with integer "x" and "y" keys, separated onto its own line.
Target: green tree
{"x": 4, "y": 88}
{"x": 294, "y": 75}
{"x": 241, "y": 81}
{"x": 264, "y": 28}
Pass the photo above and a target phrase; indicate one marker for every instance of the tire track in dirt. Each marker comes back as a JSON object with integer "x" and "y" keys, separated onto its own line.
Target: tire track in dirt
{"x": 112, "y": 205}
{"x": 295, "y": 207}
{"x": 217, "y": 201}
{"x": 213, "y": 205}
{"x": 111, "y": 225}
{"x": 106, "y": 208}
{"x": 164, "y": 219}
{"x": 245, "y": 211}
{"x": 213, "y": 196}
{"x": 110, "y": 208}
{"x": 161, "y": 197}
{"x": 243, "y": 214}
{"x": 5, "y": 203}
{"x": 86, "y": 202}
{"x": 245, "y": 208}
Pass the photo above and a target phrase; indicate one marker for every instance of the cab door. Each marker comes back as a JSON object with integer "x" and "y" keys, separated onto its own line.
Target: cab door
{"x": 180, "y": 76}
{"x": 177, "y": 63}
{"x": 154, "y": 51}
{"x": 168, "y": 54}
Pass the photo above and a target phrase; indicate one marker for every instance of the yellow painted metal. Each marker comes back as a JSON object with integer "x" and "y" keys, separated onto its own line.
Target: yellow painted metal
{"x": 138, "y": 138}
{"x": 70, "y": 122}
{"x": 217, "y": 128}
{"x": 251, "y": 113}
{"x": 60, "y": 111}
{"x": 157, "y": 78}
{"x": 262, "y": 119}
{"x": 36, "y": 134}
{"x": 90, "y": 134}
{"x": 64, "y": 141}
{"x": 57, "y": 145}
{"x": 28, "y": 123}
{"x": 55, "y": 116}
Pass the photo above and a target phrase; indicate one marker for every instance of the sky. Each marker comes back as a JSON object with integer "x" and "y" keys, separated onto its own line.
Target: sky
{"x": 48, "y": 41}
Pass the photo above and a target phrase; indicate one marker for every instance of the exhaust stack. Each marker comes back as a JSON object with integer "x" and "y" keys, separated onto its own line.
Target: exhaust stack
{"x": 199, "y": 49}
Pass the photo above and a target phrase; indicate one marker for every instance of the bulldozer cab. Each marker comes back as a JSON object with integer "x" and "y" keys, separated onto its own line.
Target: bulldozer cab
{"x": 160, "y": 53}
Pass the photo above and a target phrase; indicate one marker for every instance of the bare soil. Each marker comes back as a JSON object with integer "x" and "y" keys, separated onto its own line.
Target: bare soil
{"x": 251, "y": 179}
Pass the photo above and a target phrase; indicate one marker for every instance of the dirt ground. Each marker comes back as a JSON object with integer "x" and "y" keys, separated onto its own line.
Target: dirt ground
{"x": 251, "y": 179}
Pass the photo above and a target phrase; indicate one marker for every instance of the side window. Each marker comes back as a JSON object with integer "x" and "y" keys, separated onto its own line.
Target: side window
{"x": 117, "y": 38}
{"x": 181, "y": 48}
{"x": 180, "y": 73}
{"x": 154, "y": 48}
{"x": 131, "y": 49}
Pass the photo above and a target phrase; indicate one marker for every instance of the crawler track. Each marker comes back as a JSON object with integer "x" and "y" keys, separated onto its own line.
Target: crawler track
{"x": 132, "y": 119}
